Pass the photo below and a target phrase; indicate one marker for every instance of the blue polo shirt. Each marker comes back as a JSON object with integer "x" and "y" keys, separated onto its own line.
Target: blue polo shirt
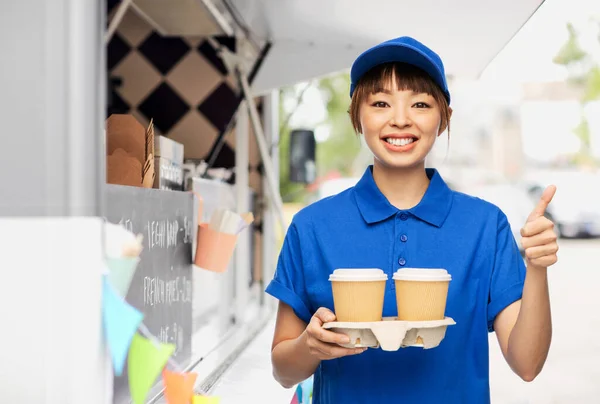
{"x": 357, "y": 228}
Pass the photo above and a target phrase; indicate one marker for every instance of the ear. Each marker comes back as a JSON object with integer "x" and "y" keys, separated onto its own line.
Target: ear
{"x": 443, "y": 128}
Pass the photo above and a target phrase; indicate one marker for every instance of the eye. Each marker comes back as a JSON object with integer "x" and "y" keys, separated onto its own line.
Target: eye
{"x": 421, "y": 105}
{"x": 380, "y": 104}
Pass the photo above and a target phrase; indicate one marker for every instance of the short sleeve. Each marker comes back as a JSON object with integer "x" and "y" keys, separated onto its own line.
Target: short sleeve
{"x": 508, "y": 273}
{"x": 288, "y": 283}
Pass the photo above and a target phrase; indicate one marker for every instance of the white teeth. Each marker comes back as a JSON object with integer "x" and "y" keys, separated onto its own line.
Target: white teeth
{"x": 399, "y": 142}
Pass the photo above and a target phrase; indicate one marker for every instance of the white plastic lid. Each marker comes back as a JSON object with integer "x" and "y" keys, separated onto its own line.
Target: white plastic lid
{"x": 358, "y": 275}
{"x": 422, "y": 274}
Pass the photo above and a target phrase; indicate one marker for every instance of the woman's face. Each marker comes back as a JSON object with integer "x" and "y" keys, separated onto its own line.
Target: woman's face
{"x": 400, "y": 126}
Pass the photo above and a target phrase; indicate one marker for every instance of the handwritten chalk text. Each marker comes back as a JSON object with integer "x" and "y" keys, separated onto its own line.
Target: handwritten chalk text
{"x": 172, "y": 334}
{"x": 162, "y": 233}
{"x": 188, "y": 226}
{"x": 159, "y": 291}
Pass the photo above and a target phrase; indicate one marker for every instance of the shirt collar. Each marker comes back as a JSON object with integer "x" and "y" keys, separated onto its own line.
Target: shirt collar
{"x": 374, "y": 206}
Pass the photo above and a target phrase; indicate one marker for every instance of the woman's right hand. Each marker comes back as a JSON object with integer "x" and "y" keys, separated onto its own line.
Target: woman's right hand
{"x": 322, "y": 343}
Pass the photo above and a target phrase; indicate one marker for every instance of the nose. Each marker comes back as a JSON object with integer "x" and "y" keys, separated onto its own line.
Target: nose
{"x": 400, "y": 117}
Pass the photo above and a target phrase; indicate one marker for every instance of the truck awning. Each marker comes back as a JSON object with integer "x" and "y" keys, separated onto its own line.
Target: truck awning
{"x": 312, "y": 38}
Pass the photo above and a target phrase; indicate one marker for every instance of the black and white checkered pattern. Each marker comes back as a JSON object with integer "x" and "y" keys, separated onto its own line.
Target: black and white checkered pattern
{"x": 180, "y": 83}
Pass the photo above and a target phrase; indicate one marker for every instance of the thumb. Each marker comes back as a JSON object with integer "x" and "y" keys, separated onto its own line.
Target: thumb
{"x": 542, "y": 205}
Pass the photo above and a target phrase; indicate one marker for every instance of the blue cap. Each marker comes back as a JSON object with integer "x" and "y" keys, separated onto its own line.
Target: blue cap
{"x": 405, "y": 50}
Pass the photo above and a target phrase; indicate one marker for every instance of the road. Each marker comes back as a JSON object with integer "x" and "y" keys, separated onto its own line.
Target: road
{"x": 572, "y": 371}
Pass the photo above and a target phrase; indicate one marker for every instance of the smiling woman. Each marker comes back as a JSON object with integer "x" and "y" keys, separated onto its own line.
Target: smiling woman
{"x": 401, "y": 214}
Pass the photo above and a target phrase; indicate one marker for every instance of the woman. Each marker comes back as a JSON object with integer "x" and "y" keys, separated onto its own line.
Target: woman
{"x": 403, "y": 215}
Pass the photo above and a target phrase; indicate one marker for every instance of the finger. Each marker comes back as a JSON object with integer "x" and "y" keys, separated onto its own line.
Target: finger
{"x": 542, "y": 205}
{"x": 544, "y": 262}
{"x": 533, "y": 253}
{"x": 330, "y": 351}
{"x": 317, "y": 331}
{"x": 537, "y": 226}
{"x": 324, "y": 315}
{"x": 545, "y": 237}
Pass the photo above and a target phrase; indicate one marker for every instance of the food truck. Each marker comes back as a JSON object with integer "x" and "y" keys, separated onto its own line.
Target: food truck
{"x": 188, "y": 92}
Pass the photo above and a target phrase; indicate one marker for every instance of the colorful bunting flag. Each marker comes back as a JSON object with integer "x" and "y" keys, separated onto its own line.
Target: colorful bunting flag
{"x": 179, "y": 387}
{"x": 206, "y": 400}
{"x": 145, "y": 361}
{"x": 121, "y": 322}
{"x": 120, "y": 273}
{"x": 305, "y": 390}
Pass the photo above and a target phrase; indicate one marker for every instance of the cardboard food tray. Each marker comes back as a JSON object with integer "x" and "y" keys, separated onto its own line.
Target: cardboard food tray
{"x": 391, "y": 334}
{"x": 130, "y": 152}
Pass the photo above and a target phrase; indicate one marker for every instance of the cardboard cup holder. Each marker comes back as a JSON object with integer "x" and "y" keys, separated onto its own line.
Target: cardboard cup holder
{"x": 391, "y": 334}
{"x": 214, "y": 249}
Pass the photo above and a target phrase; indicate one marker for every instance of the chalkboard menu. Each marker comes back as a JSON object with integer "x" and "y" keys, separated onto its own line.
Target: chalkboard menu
{"x": 162, "y": 285}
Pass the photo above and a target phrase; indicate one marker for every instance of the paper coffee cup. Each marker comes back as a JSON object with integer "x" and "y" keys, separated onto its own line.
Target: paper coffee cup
{"x": 421, "y": 293}
{"x": 358, "y": 294}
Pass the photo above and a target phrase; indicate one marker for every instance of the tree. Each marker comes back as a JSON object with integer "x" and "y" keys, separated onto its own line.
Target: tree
{"x": 289, "y": 191}
{"x": 334, "y": 154}
{"x": 584, "y": 74}
{"x": 571, "y": 52}
{"x": 342, "y": 146}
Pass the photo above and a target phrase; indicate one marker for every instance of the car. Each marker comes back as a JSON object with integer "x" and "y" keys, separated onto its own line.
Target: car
{"x": 575, "y": 209}
{"x": 335, "y": 186}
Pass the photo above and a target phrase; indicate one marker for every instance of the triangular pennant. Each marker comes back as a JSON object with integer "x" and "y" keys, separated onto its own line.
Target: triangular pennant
{"x": 179, "y": 387}
{"x": 145, "y": 361}
{"x": 205, "y": 400}
{"x": 120, "y": 273}
{"x": 121, "y": 321}
{"x": 305, "y": 391}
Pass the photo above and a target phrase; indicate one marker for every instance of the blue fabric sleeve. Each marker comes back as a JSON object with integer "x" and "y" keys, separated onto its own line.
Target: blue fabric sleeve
{"x": 508, "y": 273}
{"x": 288, "y": 283}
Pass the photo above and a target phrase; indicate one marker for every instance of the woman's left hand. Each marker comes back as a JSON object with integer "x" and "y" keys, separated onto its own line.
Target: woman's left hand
{"x": 538, "y": 236}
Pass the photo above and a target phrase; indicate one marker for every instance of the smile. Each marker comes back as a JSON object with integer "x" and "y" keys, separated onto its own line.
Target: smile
{"x": 399, "y": 142}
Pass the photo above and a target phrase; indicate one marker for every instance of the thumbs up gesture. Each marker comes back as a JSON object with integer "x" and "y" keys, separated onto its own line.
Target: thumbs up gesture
{"x": 538, "y": 236}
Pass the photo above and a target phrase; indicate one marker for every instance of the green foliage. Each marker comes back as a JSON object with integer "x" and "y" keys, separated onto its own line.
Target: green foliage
{"x": 592, "y": 85}
{"x": 582, "y": 131}
{"x": 570, "y": 52}
{"x": 290, "y": 191}
{"x": 585, "y": 75}
{"x": 339, "y": 150}
{"x": 334, "y": 154}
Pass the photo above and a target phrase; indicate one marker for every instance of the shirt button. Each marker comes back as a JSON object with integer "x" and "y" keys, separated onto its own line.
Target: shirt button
{"x": 403, "y": 238}
{"x": 402, "y": 261}
{"x": 403, "y": 216}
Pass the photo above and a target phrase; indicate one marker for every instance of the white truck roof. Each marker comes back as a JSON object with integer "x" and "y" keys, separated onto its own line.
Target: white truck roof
{"x": 312, "y": 38}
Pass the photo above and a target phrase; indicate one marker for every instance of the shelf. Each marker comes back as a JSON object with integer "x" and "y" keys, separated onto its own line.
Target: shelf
{"x": 186, "y": 18}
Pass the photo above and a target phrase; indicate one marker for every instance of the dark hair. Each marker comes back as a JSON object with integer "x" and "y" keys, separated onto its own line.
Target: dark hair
{"x": 408, "y": 77}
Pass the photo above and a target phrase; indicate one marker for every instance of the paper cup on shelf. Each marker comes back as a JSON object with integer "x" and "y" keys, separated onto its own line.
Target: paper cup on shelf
{"x": 214, "y": 249}
{"x": 358, "y": 294}
{"x": 421, "y": 293}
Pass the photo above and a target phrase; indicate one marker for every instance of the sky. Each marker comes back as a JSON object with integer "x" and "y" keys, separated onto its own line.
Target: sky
{"x": 540, "y": 39}
{"x": 546, "y": 127}
{"x": 527, "y": 58}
